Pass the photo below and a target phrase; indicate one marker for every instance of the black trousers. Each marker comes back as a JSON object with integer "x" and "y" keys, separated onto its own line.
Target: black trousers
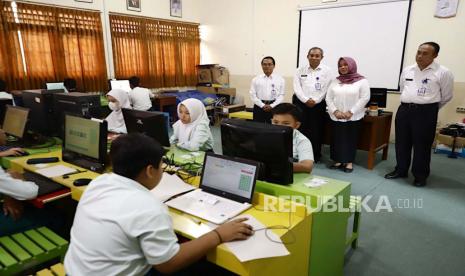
{"x": 415, "y": 129}
{"x": 259, "y": 115}
{"x": 313, "y": 124}
{"x": 344, "y": 139}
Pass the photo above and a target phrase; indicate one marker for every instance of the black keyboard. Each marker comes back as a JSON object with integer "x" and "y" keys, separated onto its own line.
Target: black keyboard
{"x": 87, "y": 164}
{"x": 46, "y": 185}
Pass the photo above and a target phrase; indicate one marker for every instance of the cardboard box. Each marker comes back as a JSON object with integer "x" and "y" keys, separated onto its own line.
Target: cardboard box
{"x": 206, "y": 89}
{"x": 227, "y": 91}
{"x": 213, "y": 74}
{"x": 220, "y": 75}
{"x": 204, "y": 75}
{"x": 233, "y": 108}
{"x": 449, "y": 140}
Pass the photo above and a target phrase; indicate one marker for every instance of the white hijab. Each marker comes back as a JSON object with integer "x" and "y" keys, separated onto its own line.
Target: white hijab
{"x": 115, "y": 119}
{"x": 198, "y": 116}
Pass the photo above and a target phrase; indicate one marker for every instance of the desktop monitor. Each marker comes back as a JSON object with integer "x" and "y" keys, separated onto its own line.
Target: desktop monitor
{"x": 85, "y": 142}
{"x": 40, "y": 103}
{"x": 150, "y": 123}
{"x": 15, "y": 120}
{"x": 120, "y": 84}
{"x": 55, "y": 86}
{"x": 378, "y": 96}
{"x": 268, "y": 144}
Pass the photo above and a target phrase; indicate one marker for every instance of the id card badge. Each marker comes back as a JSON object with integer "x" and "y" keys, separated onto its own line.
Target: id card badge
{"x": 421, "y": 91}
{"x": 318, "y": 86}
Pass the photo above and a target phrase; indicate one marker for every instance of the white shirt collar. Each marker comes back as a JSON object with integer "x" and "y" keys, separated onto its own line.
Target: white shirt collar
{"x": 270, "y": 77}
{"x": 316, "y": 69}
{"x": 128, "y": 182}
{"x": 433, "y": 66}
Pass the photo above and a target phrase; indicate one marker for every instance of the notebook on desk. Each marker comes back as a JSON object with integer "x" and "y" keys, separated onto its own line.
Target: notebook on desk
{"x": 226, "y": 189}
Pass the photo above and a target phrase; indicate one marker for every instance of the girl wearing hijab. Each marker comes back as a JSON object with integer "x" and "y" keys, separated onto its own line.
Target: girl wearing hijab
{"x": 192, "y": 130}
{"x": 346, "y": 99}
{"x": 117, "y": 99}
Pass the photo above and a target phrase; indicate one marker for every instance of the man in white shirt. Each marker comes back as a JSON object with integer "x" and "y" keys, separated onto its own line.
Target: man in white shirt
{"x": 266, "y": 91}
{"x": 310, "y": 85}
{"x": 120, "y": 228}
{"x": 138, "y": 96}
{"x": 426, "y": 87}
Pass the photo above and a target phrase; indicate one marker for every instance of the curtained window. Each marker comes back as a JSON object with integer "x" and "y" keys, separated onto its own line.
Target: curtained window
{"x": 45, "y": 44}
{"x": 162, "y": 53}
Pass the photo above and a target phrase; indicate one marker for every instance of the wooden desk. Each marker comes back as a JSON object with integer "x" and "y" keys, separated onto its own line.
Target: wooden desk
{"x": 161, "y": 101}
{"x": 373, "y": 137}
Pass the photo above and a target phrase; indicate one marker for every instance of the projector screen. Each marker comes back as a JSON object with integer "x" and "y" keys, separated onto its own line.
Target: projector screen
{"x": 371, "y": 32}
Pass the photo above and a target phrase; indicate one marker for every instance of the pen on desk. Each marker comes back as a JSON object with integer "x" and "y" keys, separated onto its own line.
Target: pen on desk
{"x": 66, "y": 175}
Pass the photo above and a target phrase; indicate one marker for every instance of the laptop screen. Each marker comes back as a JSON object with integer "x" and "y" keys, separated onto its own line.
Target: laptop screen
{"x": 229, "y": 177}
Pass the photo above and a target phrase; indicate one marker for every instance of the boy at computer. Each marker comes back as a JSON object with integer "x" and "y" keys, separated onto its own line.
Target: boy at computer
{"x": 5, "y": 151}
{"x": 120, "y": 228}
{"x": 287, "y": 114}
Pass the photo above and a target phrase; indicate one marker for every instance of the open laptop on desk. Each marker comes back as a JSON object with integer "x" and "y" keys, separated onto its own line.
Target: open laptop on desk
{"x": 226, "y": 189}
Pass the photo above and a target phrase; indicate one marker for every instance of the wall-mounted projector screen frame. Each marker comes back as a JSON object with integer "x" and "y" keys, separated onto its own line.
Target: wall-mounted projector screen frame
{"x": 373, "y": 32}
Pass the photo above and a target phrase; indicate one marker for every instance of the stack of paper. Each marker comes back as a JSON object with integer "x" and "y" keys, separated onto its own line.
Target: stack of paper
{"x": 54, "y": 171}
{"x": 262, "y": 244}
{"x": 169, "y": 186}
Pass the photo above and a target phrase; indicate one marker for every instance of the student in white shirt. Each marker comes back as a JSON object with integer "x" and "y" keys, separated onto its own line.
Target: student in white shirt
{"x": 138, "y": 96}
{"x": 266, "y": 91}
{"x": 310, "y": 84}
{"x": 426, "y": 87}
{"x": 346, "y": 99}
{"x": 117, "y": 99}
{"x": 192, "y": 130}
{"x": 10, "y": 151}
{"x": 120, "y": 228}
{"x": 287, "y": 114}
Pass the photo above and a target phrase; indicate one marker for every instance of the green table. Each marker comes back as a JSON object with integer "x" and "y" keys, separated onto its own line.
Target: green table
{"x": 327, "y": 246}
{"x": 56, "y": 145}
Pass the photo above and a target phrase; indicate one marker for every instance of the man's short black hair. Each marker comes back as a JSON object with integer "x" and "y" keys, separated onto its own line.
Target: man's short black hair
{"x": 434, "y": 45}
{"x": 70, "y": 84}
{"x": 315, "y": 48}
{"x": 134, "y": 81}
{"x": 287, "y": 108}
{"x": 2, "y": 85}
{"x": 268, "y": 57}
{"x": 132, "y": 153}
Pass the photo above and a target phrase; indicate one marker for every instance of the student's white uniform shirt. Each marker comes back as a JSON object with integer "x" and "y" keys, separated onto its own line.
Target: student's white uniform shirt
{"x": 348, "y": 97}
{"x": 140, "y": 98}
{"x": 265, "y": 88}
{"x": 119, "y": 228}
{"x": 5, "y": 96}
{"x": 434, "y": 84}
{"x": 17, "y": 188}
{"x": 312, "y": 83}
{"x": 301, "y": 147}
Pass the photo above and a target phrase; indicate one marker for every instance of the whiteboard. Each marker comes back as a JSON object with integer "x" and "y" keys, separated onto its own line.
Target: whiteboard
{"x": 371, "y": 32}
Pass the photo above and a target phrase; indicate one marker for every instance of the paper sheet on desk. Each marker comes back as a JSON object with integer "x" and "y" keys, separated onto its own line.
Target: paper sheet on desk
{"x": 259, "y": 245}
{"x": 169, "y": 186}
{"x": 54, "y": 171}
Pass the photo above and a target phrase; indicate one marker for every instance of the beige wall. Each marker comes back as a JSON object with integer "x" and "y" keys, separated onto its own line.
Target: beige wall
{"x": 243, "y": 32}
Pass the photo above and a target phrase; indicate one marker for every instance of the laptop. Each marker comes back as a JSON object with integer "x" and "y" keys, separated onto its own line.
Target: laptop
{"x": 226, "y": 189}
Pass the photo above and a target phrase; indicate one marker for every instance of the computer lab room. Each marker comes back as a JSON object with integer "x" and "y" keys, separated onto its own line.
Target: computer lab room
{"x": 219, "y": 137}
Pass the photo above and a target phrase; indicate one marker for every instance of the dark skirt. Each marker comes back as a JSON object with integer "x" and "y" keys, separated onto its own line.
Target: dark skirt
{"x": 344, "y": 138}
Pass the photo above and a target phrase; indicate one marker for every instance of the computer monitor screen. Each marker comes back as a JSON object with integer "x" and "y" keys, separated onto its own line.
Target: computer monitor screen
{"x": 40, "y": 102}
{"x": 15, "y": 120}
{"x": 378, "y": 96}
{"x": 85, "y": 138}
{"x": 55, "y": 85}
{"x": 120, "y": 84}
{"x": 229, "y": 177}
{"x": 150, "y": 123}
{"x": 269, "y": 144}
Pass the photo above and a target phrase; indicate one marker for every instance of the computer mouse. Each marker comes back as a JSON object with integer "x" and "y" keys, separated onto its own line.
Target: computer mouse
{"x": 81, "y": 181}
{"x": 24, "y": 153}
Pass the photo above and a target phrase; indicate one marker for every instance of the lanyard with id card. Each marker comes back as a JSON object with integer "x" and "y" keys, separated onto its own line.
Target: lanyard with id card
{"x": 422, "y": 90}
{"x": 317, "y": 83}
{"x": 273, "y": 91}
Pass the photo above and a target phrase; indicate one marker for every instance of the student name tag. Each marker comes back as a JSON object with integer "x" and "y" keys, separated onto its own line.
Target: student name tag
{"x": 303, "y": 76}
{"x": 421, "y": 91}
{"x": 408, "y": 79}
{"x": 318, "y": 86}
